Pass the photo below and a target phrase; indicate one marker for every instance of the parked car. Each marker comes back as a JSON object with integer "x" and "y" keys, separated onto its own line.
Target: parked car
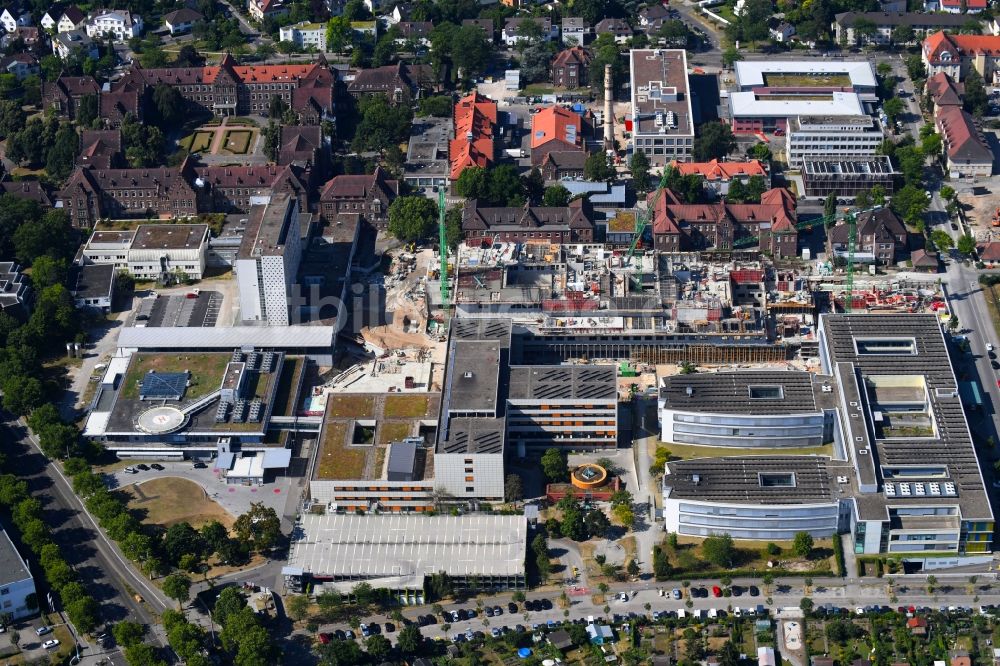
{"x": 716, "y": 591}
{"x": 325, "y": 638}
{"x": 130, "y": 470}
{"x": 497, "y": 610}
{"x": 158, "y": 467}
{"x": 754, "y": 592}
{"x": 143, "y": 466}
{"x": 42, "y": 630}
{"x": 511, "y": 608}
{"x": 51, "y": 643}
{"x": 676, "y": 593}
{"x": 199, "y": 465}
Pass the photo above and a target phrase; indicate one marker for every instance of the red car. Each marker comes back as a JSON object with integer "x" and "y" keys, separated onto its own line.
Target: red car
{"x": 716, "y": 591}
{"x": 325, "y": 638}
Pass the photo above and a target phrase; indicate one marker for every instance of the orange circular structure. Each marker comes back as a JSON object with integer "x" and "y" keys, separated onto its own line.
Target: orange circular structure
{"x": 588, "y": 476}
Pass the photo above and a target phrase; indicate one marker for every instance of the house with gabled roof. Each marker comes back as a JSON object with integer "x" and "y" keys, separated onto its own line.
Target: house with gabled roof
{"x": 528, "y": 224}
{"x": 359, "y": 197}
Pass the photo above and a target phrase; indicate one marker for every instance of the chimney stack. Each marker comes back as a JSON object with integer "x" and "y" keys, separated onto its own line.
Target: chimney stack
{"x": 609, "y": 114}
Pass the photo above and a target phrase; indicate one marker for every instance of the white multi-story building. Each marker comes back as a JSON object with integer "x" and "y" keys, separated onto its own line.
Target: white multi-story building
{"x": 152, "y": 251}
{"x": 832, "y": 136}
{"x": 305, "y": 35}
{"x": 118, "y": 24}
{"x": 17, "y": 586}
{"x": 268, "y": 261}
{"x": 662, "y": 121}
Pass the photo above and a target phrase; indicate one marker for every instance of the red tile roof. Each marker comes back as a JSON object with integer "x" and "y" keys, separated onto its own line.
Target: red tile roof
{"x": 557, "y": 123}
{"x": 576, "y": 55}
{"x": 959, "y": 45}
{"x": 473, "y": 145}
{"x": 777, "y": 207}
{"x": 716, "y": 170}
{"x": 990, "y": 251}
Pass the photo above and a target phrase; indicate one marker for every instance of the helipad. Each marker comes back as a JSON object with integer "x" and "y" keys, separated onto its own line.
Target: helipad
{"x": 159, "y": 420}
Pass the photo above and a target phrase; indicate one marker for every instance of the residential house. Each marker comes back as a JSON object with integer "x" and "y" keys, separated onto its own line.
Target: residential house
{"x": 943, "y": 91}
{"x": 21, "y": 65}
{"x": 29, "y": 34}
{"x": 966, "y": 151}
{"x": 414, "y": 32}
{"x": 880, "y": 238}
{"x": 101, "y": 149}
{"x": 513, "y": 33}
{"x": 563, "y": 165}
{"x": 401, "y": 83}
{"x": 555, "y": 129}
{"x": 620, "y": 28}
{"x": 989, "y": 253}
{"x": 401, "y": 12}
{"x": 927, "y": 262}
{"x": 26, "y": 189}
{"x": 50, "y": 19}
{"x": 64, "y": 94}
{"x": 959, "y": 658}
{"x": 119, "y": 25}
{"x": 769, "y": 225}
{"x": 93, "y": 286}
{"x": 65, "y": 44}
{"x": 72, "y": 18}
{"x": 652, "y": 18}
{"x": 571, "y": 68}
{"x": 716, "y": 176}
{"x": 560, "y": 640}
{"x": 887, "y": 22}
{"x": 917, "y": 625}
{"x": 349, "y": 198}
{"x": 781, "y": 31}
{"x": 574, "y": 31}
{"x": 484, "y": 24}
{"x": 305, "y": 35}
{"x": 15, "y": 292}
{"x": 12, "y": 18}
{"x": 955, "y": 54}
{"x": 474, "y": 145}
{"x": 365, "y": 29}
{"x": 526, "y": 224}
{"x": 259, "y": 9}
{"x": 181, "y": 20}
{"x": 960, "y": 7}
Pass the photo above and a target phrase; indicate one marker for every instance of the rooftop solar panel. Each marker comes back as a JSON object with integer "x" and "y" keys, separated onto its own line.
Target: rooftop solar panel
{"x": 163, "y": 386}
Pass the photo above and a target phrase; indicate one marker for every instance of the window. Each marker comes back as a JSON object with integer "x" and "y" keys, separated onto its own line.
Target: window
{"x": 776, "y": 480}
{"x": 766, "y": 392}
{"x": 886, "y": 346}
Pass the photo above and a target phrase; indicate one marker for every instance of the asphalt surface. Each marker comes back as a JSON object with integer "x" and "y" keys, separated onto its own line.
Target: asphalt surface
{"x": 108, "y": 577}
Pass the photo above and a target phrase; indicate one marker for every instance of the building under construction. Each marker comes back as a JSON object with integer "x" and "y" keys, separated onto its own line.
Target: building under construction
{"x": 846, "y": 177}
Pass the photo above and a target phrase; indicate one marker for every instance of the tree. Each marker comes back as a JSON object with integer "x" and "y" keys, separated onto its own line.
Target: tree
{"x": 472, "y": 183}
{"x": 596, "y": 523}
{"x": 830, "y": 205}
{"x": 153, "y": 57}
{"x": 941, "y": 240}
{"x": 556, "y": 196}
{"x": 256, "y": 647}
{"x": 902, "y": 34}
{"x": 378, "y": 647}
{"x": 297, "y": 606}
{"x": 864, "y": 30}
{"x": 341, "y": 653}
{"x": 966, "y": 244}
{"x": 719, "y": 550}
{"x": 802, "y": 544}
{"x": 22, "y": 394}
{"x": 661, "y": 565}
{"x": 597, "y": 168}
{"x": 437, "y": 105}
{"x": 606, "y": 52}
{"x": 47, "y": 271}
{"x": 51, "y": 235}
{"x": 410, "y": 641}
{"x": 731, "y": 56}
{"x": 181, "y": 539}
{"x": 505, "y": 187}
{"x": 893, "y": 108}
{"x": 412, "y": 218}
{"x": 632, "y": 568}
{"x": 760, "y": 151}
{"x": 12, "y": 118}
{"x": 715, "y": 142}
{"x": 128, "y": 633}
{"x": 513, "y": 490}
{"x": 624, "y": 514}
{"x": 639, "y": 166}
{"x": 806, "y": 604}
{"x": 975, "y": 99}
{"x": 169, "y": 104}
{"x": 260, "y": 525}
{"x": 910, "y": 203}
{"x": 178, "y": 588}
{"x": 554, "y": 465}
{"x": 535, "y": 61}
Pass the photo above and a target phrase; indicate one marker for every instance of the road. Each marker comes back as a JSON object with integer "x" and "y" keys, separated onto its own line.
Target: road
{"x": 910, "y": 591}
{"x": 99, "y": 565}
{"x": 245, "y": 26}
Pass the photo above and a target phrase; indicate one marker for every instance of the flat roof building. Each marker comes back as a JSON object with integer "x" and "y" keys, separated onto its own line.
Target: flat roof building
{"x": 846, "y": 177}
{"x": 832, "y": 136}
{"x": 152, "y": 251}
{"x": 856, "y": 75}
{"x": 752, "y": 112}
{"x": 427, "y": 163}
{"x": 662, "y": 120}
{"x": 399, "y": 551}
{"x": 267, "y": 262}
{"x": 16, "y": 581}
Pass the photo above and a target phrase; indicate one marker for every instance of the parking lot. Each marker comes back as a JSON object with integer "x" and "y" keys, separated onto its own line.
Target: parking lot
{"x": 193, "y": 308}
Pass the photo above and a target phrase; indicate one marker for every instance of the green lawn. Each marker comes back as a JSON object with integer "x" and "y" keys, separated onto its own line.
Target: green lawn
{"x": 237, "y": 142}
{"x": 338, "y": 460}
{"x": 405, "y": 406}
{"x": 688, "y": 451}
{"x": 206, "y": 372}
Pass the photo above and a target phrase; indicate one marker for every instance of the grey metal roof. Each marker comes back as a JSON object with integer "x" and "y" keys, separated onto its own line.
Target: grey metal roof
{"x": 376, "y": 546}
{"x": 12, "y": 566}
{"x": 402, "y": 457}
{"x": 729, "y": 392}
{"x": 951, "y": 444}
{"x": 474, "y": 435}
{"x": 563, "y": 382}
{"x": 482, "y": 329}
{"x": 474, "y": 376}
{"x": 179, "y": 337}
{"x": 738, "y": 480}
